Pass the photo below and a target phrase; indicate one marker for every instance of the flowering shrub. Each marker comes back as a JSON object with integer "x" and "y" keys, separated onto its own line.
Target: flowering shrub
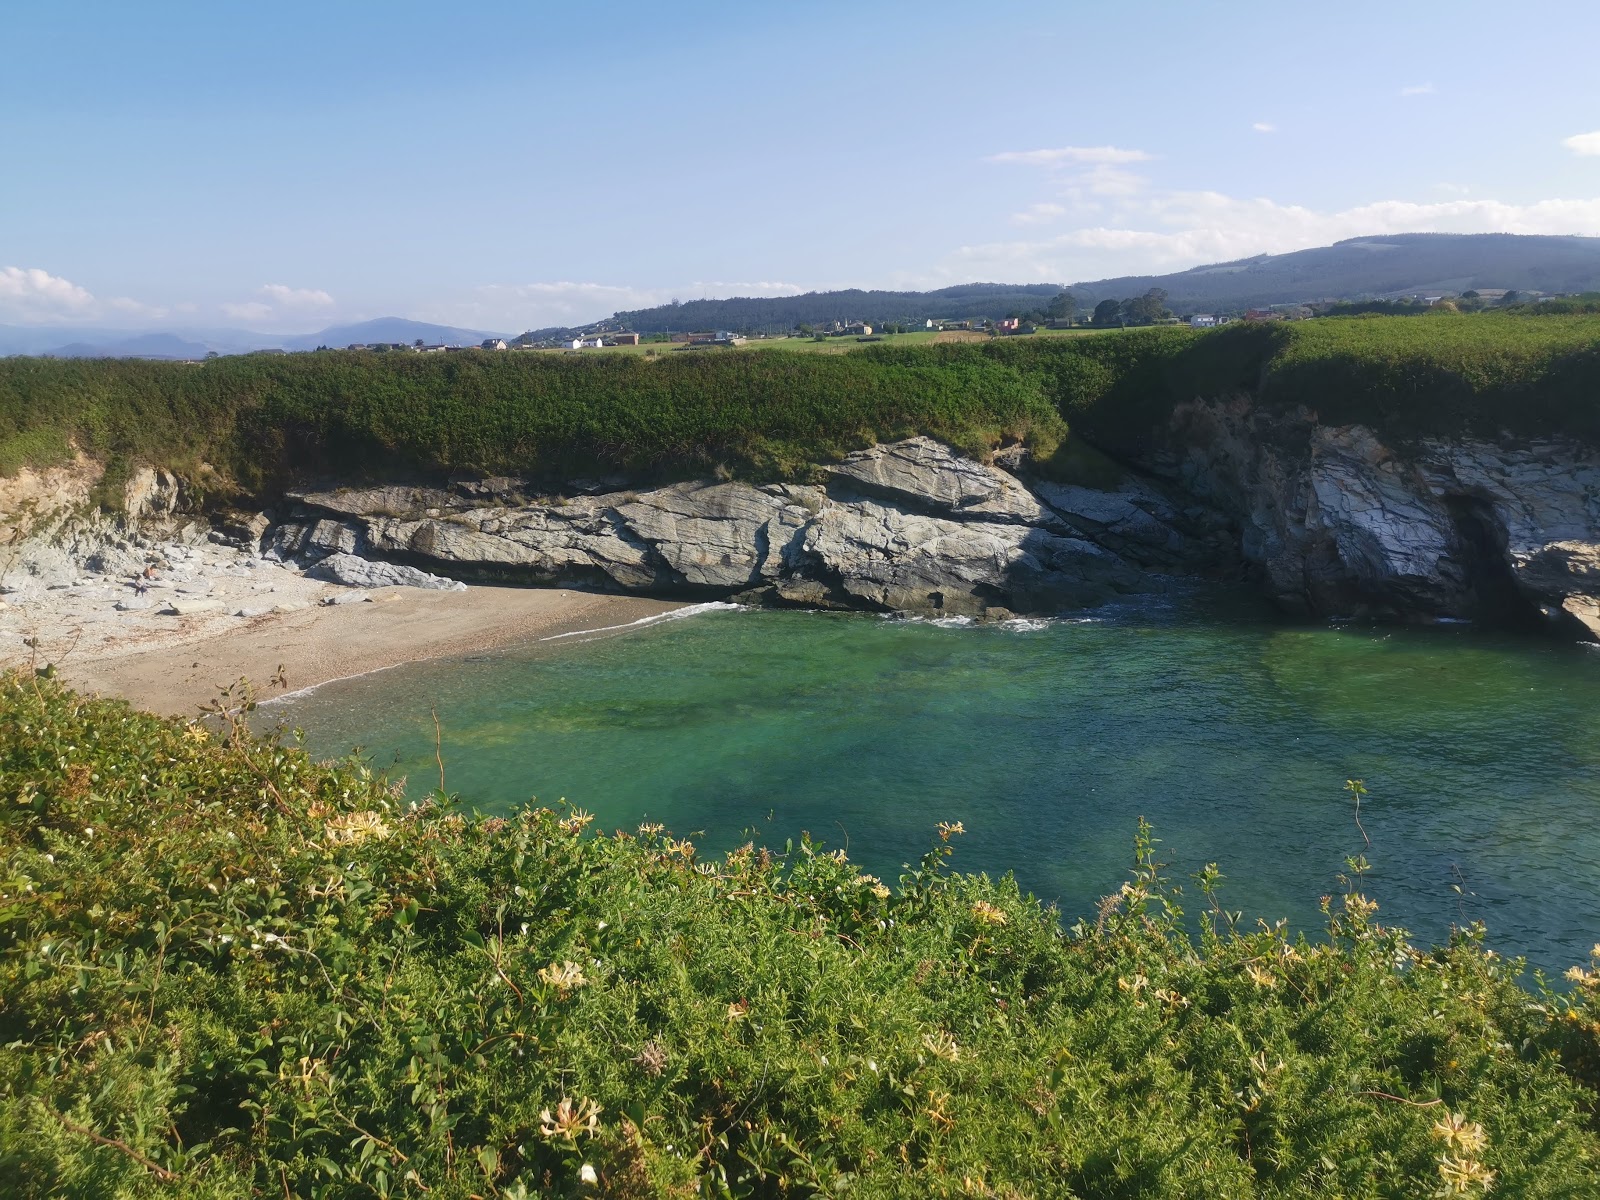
{"x": 228, "y": 970}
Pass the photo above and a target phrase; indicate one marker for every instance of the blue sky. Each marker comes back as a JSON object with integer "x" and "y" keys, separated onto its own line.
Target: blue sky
{"x": 502, "y": 166}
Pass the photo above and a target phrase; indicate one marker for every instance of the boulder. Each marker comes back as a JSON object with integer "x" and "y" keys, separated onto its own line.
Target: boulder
{"x": 353, "y": 571}
{"x": 189, "y": 606}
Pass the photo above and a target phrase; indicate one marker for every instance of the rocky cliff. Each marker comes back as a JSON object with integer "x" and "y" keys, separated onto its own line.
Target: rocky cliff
{"x": 1334, "y": 522}
{"x": 1341, "y": 524}
{"x": 910, "y": 526}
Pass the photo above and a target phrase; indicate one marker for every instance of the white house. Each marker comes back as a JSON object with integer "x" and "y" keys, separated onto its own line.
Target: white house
{"x": 1202, "y": 321}
{"x": 493, "y": 344}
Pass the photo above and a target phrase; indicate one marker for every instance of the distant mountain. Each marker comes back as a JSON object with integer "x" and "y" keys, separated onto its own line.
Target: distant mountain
{"x": 73, "y": 341}
{"x": 386, "y": 329}
{"x": 1371, "y": 268}
{"x": 148, "y": 345}
{"x": 752, "y": 314}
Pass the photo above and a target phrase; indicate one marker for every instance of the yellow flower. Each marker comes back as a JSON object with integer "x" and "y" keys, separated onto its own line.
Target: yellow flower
{"x": 1460, "y": 1175}
{"x": 350, "y": 829}
{"x": 1458, "y": 1133}
{"x": 564, "y": 977}
{"x": 570, "y": 1120}
{"x": 738, "y": 1010}
{"x": 575, "y": 822}
{"x": 988, "y": 914}
{"x": 947, "y": 828}
{"x": 196, "y": 733}
{"x": 1359, "y": 907}
{"x": 942, "y": 1045}
{"x": 1259, "y": 977}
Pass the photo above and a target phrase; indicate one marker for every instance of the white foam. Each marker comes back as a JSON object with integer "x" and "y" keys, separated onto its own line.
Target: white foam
{"x": 676, "y": 614}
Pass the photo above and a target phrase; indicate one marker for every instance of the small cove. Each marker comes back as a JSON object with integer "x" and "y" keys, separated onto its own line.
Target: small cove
{"x": 1232, "y": 732}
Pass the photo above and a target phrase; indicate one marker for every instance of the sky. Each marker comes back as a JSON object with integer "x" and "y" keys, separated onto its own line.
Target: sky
{"x": 289, "y": 166}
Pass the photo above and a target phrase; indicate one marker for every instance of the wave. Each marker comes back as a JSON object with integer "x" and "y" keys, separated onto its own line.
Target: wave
{"x": 676, "y": 614}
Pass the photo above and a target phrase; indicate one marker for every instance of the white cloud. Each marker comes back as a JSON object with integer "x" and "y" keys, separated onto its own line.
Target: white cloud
{"x": 1418, "y": 89}
{"x": 288, "y": 297}
{"x": 29, "y": 292}
{"x": 136, "y": 308}
{"x": 1039, "y": 214}
{"x": 250, "y": 310}
{"x": 1264, "y": 127}
{"x": 1071, "y": 155}
{"x": 1586, "y": 144}
{"x": 1173, "y": 230}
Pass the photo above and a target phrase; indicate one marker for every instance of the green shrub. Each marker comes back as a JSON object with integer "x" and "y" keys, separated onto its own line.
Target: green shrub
{"x": 228, "y": 970}
{"x": 264, "y": 419}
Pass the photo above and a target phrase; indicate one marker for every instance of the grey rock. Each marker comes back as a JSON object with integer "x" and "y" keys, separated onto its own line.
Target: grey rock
{"x": 354, "y": 571}
{"x": 189, "y": 606}
{"x": 378, "y": 501}
{"x": 932, "y": 476}
{"x": 897, "y": 561}
{"x": 580, "y": 539}
{"x": 1342, "y": 523}
{"x": 332, "y": 537}
{"x": 725, "y": 536}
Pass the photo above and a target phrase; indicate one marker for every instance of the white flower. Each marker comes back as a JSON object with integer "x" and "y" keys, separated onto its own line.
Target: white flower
{"x": 587, "y": 1175}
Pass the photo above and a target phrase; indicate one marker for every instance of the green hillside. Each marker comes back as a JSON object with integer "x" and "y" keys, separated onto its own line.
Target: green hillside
{"x": 230, "y": 971}
{"x": 260, "y": 422}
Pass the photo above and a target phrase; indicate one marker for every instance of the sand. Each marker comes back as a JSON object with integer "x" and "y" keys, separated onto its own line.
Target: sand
{"x": 178, "y": 675}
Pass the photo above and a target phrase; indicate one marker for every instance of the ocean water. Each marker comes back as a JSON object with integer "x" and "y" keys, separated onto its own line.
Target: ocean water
{"x": 1232, "y": 732}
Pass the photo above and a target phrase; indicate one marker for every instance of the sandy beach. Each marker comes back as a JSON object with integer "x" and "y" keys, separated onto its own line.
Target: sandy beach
{"x": 211, "y": 615}
{"x": 178, "y": 674}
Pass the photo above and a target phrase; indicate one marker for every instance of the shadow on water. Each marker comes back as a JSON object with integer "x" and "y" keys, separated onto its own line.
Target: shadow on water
{"x": 1233, "y": 733}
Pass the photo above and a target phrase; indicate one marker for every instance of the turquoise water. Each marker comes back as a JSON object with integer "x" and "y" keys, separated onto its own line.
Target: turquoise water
{"x": 1232, "y": 733}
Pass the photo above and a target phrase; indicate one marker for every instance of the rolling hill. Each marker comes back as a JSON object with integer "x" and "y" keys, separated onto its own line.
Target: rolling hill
{"x": 1372, "y": 268}
{"x": 1358, "y": 268}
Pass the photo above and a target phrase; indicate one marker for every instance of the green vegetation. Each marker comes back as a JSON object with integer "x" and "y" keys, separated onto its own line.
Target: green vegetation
{"x": 261, "y": 420}
{"x": 228, "y": 970}
{"x": 776, "y": 409}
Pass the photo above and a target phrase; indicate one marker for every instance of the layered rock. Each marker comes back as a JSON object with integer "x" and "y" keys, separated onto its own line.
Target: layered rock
{"x": 908, "y": 526}
{"x": 1341, "y": 523}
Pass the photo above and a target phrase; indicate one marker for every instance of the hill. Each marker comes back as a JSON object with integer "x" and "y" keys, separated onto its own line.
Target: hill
{"x": 753, "y": 313}
{"x": 385, "y": 329}
{"x": 69, "y": 341}
{"x": 1371, "y": 267}
{"x": 1358, "y": 268}
{"x": 147, "y": 345}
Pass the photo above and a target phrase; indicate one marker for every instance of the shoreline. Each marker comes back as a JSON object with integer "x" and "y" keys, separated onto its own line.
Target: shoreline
{"x": 321, "y": 644}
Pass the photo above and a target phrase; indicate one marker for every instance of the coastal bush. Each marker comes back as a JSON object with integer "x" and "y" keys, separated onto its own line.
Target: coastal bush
{"x": 228, "y": 970}
{"x": 263, "y": 420}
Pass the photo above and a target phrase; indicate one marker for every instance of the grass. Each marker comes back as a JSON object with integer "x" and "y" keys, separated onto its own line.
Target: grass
{"x": 229, "y": 970}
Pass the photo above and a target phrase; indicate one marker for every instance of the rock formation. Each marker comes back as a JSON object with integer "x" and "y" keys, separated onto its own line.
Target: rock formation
{"x": 1342, "y": 524}
{"x": 910, "y": 526}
